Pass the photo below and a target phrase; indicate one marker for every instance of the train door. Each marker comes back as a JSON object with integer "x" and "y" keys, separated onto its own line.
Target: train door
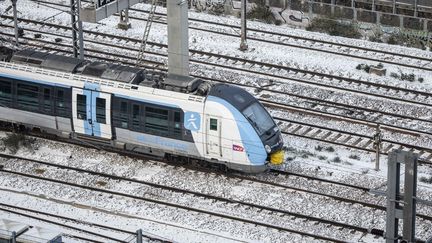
{"x": 213, "y": 135}
{"x": 92, "y": 113}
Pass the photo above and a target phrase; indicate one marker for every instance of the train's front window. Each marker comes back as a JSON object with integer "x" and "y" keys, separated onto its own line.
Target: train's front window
{"x": 259, "y": 118}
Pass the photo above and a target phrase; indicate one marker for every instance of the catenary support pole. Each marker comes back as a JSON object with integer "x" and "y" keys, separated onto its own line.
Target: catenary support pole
{"x": 124, "y": 20}
{"x": 139, "y": 236}
{"x": 410, "y": 194}
{"x": 13, "y": 237}
{"x": 243, "y": 43}
{"x": 178, "y": 37}
{"x": 77, "y": 32}
{"x": 15, "y": 21}
{"x": 377, "y": 145}
{"x": 401, "y": 206}
{"x": 393, "y": 182}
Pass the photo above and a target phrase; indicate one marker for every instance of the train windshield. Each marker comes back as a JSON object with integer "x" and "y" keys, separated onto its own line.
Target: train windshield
{"x": 259, "y": 118}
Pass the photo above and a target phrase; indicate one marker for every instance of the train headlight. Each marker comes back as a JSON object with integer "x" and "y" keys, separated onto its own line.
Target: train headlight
{"x": 267, "y": 148}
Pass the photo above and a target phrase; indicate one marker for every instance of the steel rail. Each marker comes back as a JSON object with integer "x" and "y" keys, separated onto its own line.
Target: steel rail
{"x": 317, "y": 100}
{"x": 335, "y": 104}
{"x": 235, "y": 177}
{"x": 290, "y": 36}
{"x": 55, "y": 223}
{"x": 187, "y": 208}
{"x": 378, "y": 86}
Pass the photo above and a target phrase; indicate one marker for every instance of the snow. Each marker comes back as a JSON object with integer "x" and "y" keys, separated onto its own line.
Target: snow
{"x": 303, "y": 157}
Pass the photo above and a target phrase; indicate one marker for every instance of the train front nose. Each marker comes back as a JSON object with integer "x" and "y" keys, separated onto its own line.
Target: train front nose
{"x": 277, "y": 157}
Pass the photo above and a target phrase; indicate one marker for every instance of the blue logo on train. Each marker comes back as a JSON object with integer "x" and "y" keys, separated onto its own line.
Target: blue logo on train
{"x": 192, "y": 121}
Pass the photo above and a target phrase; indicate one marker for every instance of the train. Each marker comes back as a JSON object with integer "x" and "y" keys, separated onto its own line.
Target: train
{"x": 135, "y": 109}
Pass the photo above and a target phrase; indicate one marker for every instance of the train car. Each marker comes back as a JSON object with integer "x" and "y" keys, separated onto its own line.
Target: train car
{"x": 175, "y": 118}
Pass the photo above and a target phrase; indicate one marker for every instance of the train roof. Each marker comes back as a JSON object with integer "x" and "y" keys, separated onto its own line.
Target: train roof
{"x": 110, "y": 71}
{"x": 236, "y": 96}
{"x": 76, "y": 66}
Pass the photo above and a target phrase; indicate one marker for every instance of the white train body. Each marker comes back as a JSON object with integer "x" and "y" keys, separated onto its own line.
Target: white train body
{"x": 138, "y": 118}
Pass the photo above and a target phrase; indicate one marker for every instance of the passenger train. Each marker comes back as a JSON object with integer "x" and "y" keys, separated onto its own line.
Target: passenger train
{"x": 133, "y": 109}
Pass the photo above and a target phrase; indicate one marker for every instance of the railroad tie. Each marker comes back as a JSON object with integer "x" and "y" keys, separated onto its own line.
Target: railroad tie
{"x": 327, "y": 135}
{"x": 336, "y": 137}
{"x": 369, "y": 142}
{"x": 307, "y": 131}
{"x": 297, "y": 128}
{"x": 316, "y": 133}
{"x": 401, "y": 148}
{"x": 347, "y": 139}
{"x": 287, "y": 126}
{"x": 357, "y": 141}
{"x": 390, "y": 146}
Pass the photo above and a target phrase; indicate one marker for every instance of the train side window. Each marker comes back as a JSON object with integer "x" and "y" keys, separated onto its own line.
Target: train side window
{"x": 100, "y": 110}
{"x": 5, "y": 93}
{"x": 136, "y": 116}
{"x": 177, "y": 125}
{"x": 156, "y": 121}
{"x": 47, "y": 100}
{"x": 28, "y": 97}
{"x": 81, "y": 107}
{"x": 60, "y": 103}
{"x": 213, "y": 124}
{"x": 124, "y": 114}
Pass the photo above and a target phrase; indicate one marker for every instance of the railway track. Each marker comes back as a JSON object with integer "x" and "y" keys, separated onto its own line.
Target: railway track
{"x": 360, "y": 190}
{"x": 305, "y": 130}
{"x": 289, "y": 40}
{"x": 344, "y": 108}
{"x": 423, "y": 96}
{"x": 283, "y": 39}
{"x": 282, "y": 72}
{"x": 213, "y": 213}
{"x": 340, "y": 138}
{"x": 349, "y": 139}
{"x": 55, "y": 218}
{"x": 239, "y": 204}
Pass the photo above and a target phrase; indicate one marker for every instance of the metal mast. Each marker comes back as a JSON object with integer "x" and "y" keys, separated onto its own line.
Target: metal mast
{"x": 77, "y": 32}
{"x": 178, "y": 38}
{"x": 15, "y": 21}
{"x": 243, "y": 43}
{"x": 146, "y": 32}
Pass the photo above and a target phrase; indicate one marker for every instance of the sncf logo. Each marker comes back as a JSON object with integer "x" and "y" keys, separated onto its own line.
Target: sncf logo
{"x": 238, "y": 148}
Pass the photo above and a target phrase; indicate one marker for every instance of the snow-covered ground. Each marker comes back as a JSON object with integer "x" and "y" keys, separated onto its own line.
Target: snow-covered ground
{"x": 303, "y": 156}
{"x": 130, "y": 214}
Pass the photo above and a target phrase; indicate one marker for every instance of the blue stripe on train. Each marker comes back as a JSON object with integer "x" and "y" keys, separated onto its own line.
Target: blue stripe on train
{"x": 91, "y": 91}
{"x": 251, "y": 141}
{"x": 33, "y": 80}
{"x": 88, "y": 129}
